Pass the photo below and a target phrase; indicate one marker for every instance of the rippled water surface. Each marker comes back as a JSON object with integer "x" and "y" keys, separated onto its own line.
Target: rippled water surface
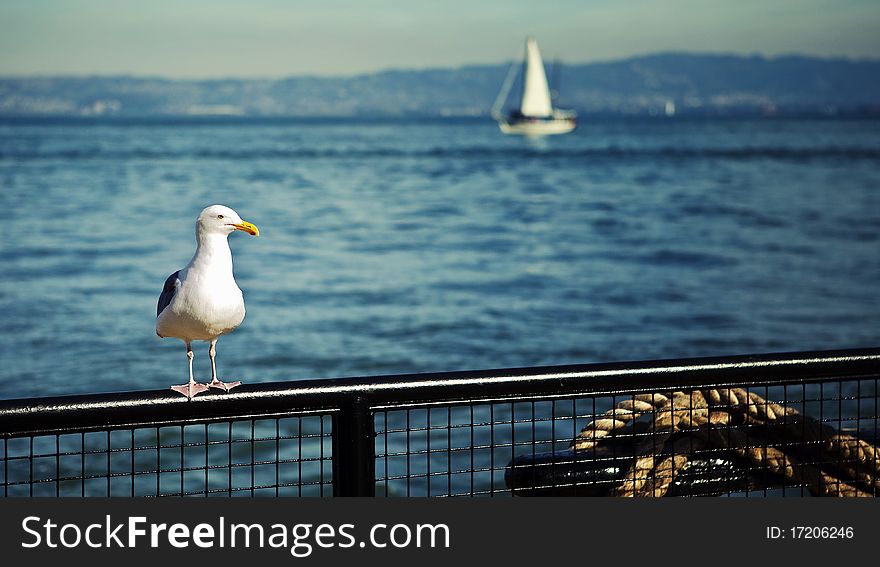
{"x": 400, "y": 247}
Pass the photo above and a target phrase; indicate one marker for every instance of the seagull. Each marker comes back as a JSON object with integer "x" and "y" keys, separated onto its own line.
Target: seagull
{"x": 202, "y": 301}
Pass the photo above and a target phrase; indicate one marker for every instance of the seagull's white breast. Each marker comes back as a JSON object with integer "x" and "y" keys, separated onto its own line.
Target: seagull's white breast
{"x": 202, "y": 310}
{"x": 207, "y": 302}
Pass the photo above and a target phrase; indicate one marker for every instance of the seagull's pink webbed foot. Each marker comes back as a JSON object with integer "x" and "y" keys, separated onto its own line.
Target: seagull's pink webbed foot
{"x": 190, "y": 390}
{"x": 225, "y": 386}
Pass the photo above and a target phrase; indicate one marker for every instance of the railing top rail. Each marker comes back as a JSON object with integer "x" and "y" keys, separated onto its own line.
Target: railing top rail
{"x": 156, "y": 407}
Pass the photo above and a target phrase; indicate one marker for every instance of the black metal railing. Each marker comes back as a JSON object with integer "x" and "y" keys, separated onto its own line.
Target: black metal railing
{"x": 789, "y": 424}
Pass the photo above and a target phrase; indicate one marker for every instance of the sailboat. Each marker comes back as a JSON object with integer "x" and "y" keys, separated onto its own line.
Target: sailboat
{"x": 535, "y": 115}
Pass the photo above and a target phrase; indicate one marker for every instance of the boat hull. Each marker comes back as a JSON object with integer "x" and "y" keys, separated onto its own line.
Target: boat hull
{"x": 537, "y": 126}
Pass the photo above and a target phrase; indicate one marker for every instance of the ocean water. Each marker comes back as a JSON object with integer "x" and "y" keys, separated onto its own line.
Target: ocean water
{"x": 412, "y": 246}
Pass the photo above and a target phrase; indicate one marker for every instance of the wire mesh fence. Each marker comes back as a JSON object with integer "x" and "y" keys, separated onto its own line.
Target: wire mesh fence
{"x": 800, "y": 439}
{"x": 802, "y": 424}
{"x": 282, "y": 456}
{"x": 465, "y": 449}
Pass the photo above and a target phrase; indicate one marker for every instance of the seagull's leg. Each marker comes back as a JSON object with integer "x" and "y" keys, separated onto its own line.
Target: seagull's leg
{"x": 215, "y": 383}
{"x": 193, "y": 388}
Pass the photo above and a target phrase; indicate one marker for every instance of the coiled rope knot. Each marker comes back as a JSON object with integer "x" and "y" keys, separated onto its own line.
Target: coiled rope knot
{"x": 673, "y": 427}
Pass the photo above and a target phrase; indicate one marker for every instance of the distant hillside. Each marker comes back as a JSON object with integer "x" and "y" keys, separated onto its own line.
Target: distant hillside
{"x": 693, "y": 83}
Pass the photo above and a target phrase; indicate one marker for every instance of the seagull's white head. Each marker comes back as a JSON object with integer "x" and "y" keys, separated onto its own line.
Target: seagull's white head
{"x": 218, "y": 219}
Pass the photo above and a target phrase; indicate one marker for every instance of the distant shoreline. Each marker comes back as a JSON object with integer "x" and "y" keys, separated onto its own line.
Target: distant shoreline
{"x": 692, "y": 84}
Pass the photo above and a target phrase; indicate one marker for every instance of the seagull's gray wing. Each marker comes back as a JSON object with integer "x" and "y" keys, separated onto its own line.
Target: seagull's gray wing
{"x": 167, "y": 292}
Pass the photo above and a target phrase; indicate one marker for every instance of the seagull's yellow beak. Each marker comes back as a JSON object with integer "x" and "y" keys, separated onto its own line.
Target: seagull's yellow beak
{"x": 248, "y": 228}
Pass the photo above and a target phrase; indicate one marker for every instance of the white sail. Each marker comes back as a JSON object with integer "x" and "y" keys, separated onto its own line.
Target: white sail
{"x": 536, "y": 93}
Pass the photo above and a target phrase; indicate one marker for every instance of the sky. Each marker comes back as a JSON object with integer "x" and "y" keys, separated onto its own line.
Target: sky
{"x": 276, "y": 38}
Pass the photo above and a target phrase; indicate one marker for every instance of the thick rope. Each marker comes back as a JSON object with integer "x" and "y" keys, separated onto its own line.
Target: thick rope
{"x": 761, "y": 432}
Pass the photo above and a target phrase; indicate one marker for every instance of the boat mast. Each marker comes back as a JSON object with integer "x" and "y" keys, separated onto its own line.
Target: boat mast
{"x": 505, "y": 90}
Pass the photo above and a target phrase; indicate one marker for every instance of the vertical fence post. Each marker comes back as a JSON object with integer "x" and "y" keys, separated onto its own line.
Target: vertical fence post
{"x": 354, "y": 452}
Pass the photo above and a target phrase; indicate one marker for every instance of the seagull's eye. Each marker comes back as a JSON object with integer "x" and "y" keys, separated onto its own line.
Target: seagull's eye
{"x": 220, "y": 217}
